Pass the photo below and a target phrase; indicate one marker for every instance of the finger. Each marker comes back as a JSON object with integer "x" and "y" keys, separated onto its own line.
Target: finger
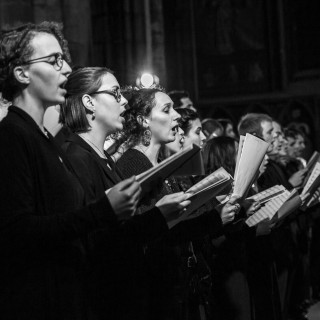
{"x": 185, "y": 203}
{"x": 132, "y": 189}
{"x": 125, "y": 183}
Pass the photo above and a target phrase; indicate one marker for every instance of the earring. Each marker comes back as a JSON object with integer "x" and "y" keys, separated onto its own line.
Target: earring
{"x": 93, "y": 115}
{"x": 146, "y": 137}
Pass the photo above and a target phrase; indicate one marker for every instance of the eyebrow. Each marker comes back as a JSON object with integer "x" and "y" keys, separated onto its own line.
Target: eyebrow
{"x": 169, "y": 104}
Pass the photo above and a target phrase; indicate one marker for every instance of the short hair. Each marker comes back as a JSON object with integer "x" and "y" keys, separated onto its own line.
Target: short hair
{"x": 220, "y": 152}
{"x": 140, "y": 103}
{"x": 251, "y": 123}
{"x": 81, "y": 81}
{"x": 15, "y": 50}
{"x": 210, "y": 125}
{"x": 293, "y": 133}
{"x": 176, "y": 96}
{"x": 187, "y": 115}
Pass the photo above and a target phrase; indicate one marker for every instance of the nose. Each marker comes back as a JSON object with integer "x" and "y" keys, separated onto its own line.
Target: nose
{"x": 66, "y": 69}
{"x": 180, "y": 131}
{"x": 176, "y": 115}
{"x": 123, "y": 103}
{"x": 202, "y": 136}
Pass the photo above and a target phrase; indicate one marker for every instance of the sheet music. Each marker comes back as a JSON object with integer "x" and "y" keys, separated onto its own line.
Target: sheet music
{"x": 269, "y": 210}
{"x": 268, "y": 194}
{"x": 312, "y": 179}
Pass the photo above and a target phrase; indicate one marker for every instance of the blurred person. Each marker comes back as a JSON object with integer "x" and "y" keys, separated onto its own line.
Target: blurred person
{"x": 4, "y": 105}
{"x": 181, "y": 99}
{"x": 228, "y": 129}
{"x": 211, "y": 128}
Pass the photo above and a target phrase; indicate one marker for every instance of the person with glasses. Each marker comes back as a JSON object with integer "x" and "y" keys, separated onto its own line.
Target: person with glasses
{"x": 92, "y": 111}
{"x": 43, "y": 219}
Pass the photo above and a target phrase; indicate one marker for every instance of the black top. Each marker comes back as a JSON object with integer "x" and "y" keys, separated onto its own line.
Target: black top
{"x": 116, "y": 255}
{"x": 41, "y": 225}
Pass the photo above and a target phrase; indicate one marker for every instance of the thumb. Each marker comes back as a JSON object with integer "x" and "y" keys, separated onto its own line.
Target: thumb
{"x": 126, "y": 183}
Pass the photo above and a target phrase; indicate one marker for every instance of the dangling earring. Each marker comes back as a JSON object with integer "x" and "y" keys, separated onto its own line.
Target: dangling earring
{"x": 146, "y": 137}
{"x": 93, "y": 115}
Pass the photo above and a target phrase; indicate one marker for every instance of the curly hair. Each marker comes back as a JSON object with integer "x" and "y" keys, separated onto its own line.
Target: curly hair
{"x": 15, "y": 50}
{"x": 140, "y": 104}
{"x": 80, "y": 82}
{"x": 220, "y": 152}
{"x": 187, "y": 116}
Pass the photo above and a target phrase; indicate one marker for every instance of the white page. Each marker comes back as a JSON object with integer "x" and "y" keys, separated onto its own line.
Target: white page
{"x": 253, "y": 152}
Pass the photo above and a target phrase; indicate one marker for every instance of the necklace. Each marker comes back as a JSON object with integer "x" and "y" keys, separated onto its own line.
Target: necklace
{"x": 102, "y": 155}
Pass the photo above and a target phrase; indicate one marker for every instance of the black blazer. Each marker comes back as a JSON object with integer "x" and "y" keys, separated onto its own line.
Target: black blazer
{"x": 42, "y": 219}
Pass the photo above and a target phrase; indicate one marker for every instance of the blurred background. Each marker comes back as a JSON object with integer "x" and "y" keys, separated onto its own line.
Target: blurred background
{"x": 232, "y": 56}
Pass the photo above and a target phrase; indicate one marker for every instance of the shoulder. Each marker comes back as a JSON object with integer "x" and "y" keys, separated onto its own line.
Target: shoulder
{"x": 133, "y": 162}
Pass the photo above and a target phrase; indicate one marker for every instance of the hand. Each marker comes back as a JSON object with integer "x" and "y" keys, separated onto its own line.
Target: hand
{"x": 172, "y": 207}
{"x": 264, "y": 227}
{"x": 229, "y": 210}
{"x": 253, "y": 208}
{"x": 305, "y": 196}
{"x": 124, "y": 197}
{"x": 297, "y": 178}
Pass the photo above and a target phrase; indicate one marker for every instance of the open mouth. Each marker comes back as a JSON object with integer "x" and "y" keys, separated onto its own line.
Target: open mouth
{"x": 175, "y": 129}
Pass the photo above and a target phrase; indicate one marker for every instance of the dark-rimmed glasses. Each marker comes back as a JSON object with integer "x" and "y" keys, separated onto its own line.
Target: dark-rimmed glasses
{"x": 57, "y": 62}
{"x": 116, "y": 94}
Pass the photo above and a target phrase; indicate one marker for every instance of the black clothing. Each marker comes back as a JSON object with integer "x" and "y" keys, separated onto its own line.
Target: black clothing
{"x": 165, "y": 259}
{"x": 116, "y": 255}
{"x": 41, "y": 272}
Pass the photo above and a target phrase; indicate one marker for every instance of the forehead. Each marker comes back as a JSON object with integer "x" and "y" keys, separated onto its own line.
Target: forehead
{"x": 161, "y": 99}
{"x": 266, "y": 125}
{"x": 44, "y": 44}
{"x": 108, "y": 81}
{"x": 186, "y": 101}
{"x": 196, "y": 123}
{"x": 276, "y": 126}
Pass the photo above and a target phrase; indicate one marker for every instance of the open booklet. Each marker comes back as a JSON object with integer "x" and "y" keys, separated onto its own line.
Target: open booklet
{"x": 167, "y": 167}
{"x": 315, "y": 158}
{"x": 313, "y": 182}
{"x": 268, "y": 194}
{"x": 249, "y": 159}
{"x": 277, "y": 208}
{"x": 208, "y": 188}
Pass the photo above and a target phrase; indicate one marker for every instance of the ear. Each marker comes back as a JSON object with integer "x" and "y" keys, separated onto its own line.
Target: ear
{"x": 88, "y": 103}
{"x": 142, "y": 121}
{"x": 21, "y": 75}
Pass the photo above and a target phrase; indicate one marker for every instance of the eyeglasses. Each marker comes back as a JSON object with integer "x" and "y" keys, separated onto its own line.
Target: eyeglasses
{"x": 56, "y": 62}
{"x": 116, "y": 94}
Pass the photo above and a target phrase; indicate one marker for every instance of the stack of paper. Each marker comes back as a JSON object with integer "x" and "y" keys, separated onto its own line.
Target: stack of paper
{"x": 313, "y": 182}
{"x": 268, "y": 194}
{"x": 166, "y": 168}
{"x": 292, "y": 204}
{"x": 249, "y": 159}
{"x": 315, "y": 158}
{"x": 208, "y": 188}
{"x": 269, "y": 210}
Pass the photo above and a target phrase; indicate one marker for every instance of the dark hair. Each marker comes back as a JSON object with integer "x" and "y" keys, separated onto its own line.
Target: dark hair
{"x": 293, "y": 133}
{"x": 176, "y": 96}
{"x": 140, "y": 103}
{"x": 15, "y": 50}
{"x": 210, "y": 125}
{"x": 220, "y": 152}
{"x": 187, "y": 115}
{"x": 82, "y": 81}
{"x": 225, "y": 122}
{"x": 251, "y": 123}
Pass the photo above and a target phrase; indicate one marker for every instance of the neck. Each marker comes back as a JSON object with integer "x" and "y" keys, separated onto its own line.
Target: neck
{"x": 31, "y": 106}
{"x": 151, "y": 151}
{"x": 96, "y": 136}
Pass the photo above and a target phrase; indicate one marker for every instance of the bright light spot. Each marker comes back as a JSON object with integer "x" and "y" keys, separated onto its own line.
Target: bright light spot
{"x": 147, "y": 80}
